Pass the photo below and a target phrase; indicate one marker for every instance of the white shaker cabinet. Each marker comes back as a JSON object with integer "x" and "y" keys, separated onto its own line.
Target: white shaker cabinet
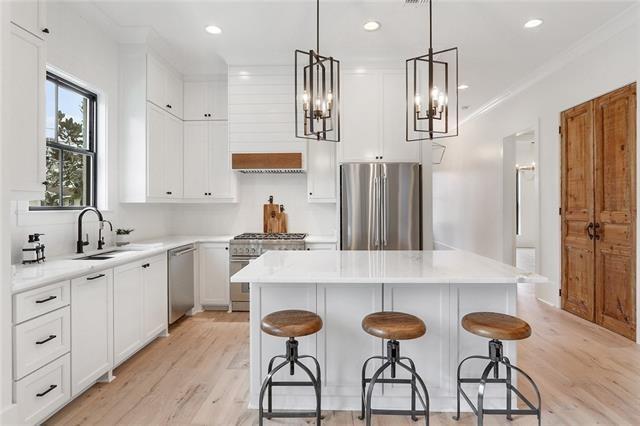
{"x": 30, "y": 15}
{"x": 127, "y": 311}
{"x": 214, "y": 274}
{"x": 164, "y": 87}
{"x": 140, "y": 305}
{"x": 207, "y": 172}
{"x": 321, "y": 172}
{"x": 24, "y": 114}
{"x": 205, "y": 100}
{"x": 155, "y": 296}
{"x": 91, "y": 329}
{"x": 373, "y": 107}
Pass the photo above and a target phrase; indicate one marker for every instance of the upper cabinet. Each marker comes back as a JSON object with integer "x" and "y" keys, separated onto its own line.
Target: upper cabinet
{"x": 24, "y": 114}
{"x": 321, "y": 172}
{"x": 30, "y": 15}
{"x": 373, "y": 118}
{"x": 164, "y": 154}
{"x": 164, "y": 87}
{"x": 205, "y": 100}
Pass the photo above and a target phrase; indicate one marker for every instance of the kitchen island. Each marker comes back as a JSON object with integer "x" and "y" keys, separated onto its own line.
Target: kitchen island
{"x": 342, "y": 287}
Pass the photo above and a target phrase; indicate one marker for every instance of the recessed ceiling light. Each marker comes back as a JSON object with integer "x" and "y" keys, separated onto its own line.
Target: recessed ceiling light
{"x": 212, "y": 29}
{"x": 532, "y": 23}
{"x": 371, "y": 26}
{"x": 463, "y": 87}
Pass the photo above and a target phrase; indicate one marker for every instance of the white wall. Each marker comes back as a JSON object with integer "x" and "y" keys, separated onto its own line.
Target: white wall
{"x": 467, "y": 186}
{"x": 246, "y": 215}
{"x": 80, "y": 51}
{"x": 526, "y": 155}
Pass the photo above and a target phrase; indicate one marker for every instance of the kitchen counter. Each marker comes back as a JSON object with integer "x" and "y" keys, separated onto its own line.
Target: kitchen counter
{"x": 342, "y": 287}
{"x": 62, "y": 268}
{"x": 420, "y": 267}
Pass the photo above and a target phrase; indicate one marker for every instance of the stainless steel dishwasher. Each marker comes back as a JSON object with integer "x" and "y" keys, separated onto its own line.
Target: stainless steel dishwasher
{"x": 181, "y": 281}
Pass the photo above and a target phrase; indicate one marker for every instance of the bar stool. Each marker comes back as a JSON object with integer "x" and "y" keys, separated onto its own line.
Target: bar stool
{"x": 497, "y": 327}
{"x": 393, "y": 326}
{"x": 290, "y": 324}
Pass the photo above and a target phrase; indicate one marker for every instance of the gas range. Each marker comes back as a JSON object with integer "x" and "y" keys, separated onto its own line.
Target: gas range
{"x": 254, "y": 244}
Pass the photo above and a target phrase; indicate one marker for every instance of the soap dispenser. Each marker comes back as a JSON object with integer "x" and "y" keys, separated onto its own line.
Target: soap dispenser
{"x": 30, "y": 251}
{"x": 40, "y": 247}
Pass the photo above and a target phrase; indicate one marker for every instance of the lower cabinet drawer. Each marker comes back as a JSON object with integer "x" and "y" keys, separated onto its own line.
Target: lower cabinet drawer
{"x": 39, "y": 301}
{"x": 41, "y": 340}
{"x": 43, "y": 392}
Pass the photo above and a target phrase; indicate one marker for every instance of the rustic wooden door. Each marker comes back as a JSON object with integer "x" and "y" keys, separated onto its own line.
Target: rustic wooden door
{"x": 577, "y": 209}
{"x": 615, "y": 210}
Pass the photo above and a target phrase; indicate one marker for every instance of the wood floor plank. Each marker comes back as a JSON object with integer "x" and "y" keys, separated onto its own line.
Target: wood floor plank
{"x": 199, "y": 375}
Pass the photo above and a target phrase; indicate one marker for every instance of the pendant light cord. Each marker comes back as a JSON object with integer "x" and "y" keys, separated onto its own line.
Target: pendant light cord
{"x": 430, "y": 25}
{"x": 318, "y": 27}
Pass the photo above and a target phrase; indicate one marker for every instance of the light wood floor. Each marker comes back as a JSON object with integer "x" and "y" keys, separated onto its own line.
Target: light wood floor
{"x": 199, "y": 375}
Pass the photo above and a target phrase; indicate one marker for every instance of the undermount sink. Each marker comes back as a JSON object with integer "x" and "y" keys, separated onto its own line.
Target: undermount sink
{"x": 104, "y": 256}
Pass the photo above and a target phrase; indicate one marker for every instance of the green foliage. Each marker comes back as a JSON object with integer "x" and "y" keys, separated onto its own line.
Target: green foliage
{"x": 74, "y": 166}
{"x": 122, "y": 231}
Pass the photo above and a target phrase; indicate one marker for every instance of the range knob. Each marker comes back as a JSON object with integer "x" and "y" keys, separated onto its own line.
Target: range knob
{"x": 253, "y": 250}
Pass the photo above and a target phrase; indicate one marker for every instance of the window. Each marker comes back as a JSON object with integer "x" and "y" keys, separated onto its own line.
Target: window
{"x": 71, "y": 146}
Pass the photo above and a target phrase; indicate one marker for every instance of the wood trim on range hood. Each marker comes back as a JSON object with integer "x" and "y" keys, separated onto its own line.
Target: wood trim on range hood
{"x": 271, "y": 162}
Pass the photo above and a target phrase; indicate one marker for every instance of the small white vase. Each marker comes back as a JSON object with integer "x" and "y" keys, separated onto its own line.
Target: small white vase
{"x": 122, "y": 239}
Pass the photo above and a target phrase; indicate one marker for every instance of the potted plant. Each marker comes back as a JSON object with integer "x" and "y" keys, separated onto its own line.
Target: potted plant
{"x": 122, "y": 236}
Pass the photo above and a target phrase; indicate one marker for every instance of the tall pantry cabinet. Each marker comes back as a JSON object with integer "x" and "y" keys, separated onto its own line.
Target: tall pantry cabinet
{"x": 599, "y": 210}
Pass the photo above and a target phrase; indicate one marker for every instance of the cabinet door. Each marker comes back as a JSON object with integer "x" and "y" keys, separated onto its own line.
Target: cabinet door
{"x": 24, "y": 107}
{"x": 155, "y": 310}
{"x": 195, "y": 95}
{"x": 127, "y": 311}
{"x": 174, "y": 91}
{"x": 91, "y": 329}
{"x": 217, "y": 99}
{"x": 220, "y": 174}
{"x": 214, "y": 274}
{"x": 360, "y": 108}
{"x": 173, "y": 156}
{"x": 321, "y": 172}
{"x": 196, "y": 159}
{"x": 156, "y": 82}
{"x": 155, "y": 152}
{"x": 29, "y": 15}
{"x": 395, "y": 147}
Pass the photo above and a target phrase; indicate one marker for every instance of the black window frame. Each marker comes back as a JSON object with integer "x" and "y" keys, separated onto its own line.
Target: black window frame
{"x": 91, "y": 152}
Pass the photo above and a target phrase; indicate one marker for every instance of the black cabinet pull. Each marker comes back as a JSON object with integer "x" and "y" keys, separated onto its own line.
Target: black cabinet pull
{"x": 41, "y": 394}
{"x": 95, "y": 278}
{"x": 169, "y": 192}
{"x": 47, "y": 299}
{"x": 45, "y": 30}
{"x": 311, "y": 193}
{"x": 146, "y": 265}
{"x": 168, "y": 106}
{"x": 42, "y": 342}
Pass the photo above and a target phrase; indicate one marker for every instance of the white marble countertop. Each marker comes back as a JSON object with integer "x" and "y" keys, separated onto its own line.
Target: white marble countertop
{"x": 62, "y": 268}
{"x": 320, "y": 239}
{"x": 421, "y": 267}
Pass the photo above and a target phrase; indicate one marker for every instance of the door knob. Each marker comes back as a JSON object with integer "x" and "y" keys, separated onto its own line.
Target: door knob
{"x": 590, "y": 230}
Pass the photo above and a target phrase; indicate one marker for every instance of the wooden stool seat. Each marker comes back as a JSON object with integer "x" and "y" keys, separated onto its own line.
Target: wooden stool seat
{"x": 393, "y": 326}
{"x": 291, "y": 323}
{"x": 493, "y": 325}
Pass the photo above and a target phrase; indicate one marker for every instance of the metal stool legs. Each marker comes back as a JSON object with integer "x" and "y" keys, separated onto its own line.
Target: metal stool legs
{"x": 292, "y": 359}
{"x": 392, "y": 360}
{"x": 496, "y": 358}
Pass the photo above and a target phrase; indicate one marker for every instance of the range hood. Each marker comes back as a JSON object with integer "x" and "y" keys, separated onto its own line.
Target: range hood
{"x": 267, "y": 162}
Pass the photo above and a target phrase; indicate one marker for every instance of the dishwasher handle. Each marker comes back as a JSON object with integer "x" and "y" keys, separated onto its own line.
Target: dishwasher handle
{"x": 181, "y": 252}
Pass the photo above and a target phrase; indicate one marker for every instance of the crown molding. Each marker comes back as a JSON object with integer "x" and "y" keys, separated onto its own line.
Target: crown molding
{"x": 615, "y": 25}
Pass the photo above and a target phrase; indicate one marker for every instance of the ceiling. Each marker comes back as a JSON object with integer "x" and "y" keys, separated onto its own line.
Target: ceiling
{"x": 494, "y": 50}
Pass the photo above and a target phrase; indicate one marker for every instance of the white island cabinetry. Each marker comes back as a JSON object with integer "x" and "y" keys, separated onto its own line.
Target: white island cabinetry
{"x": 342, "y": 287}
{"x": 214, "y": 274}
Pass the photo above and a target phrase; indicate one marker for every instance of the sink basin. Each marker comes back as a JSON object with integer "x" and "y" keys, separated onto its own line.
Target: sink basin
{"x": 104, "y": 256}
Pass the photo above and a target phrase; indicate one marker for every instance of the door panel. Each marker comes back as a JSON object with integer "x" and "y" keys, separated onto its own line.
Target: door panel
{"x": 360, "y": 210}
{"x": 155, "y": 152}
{"x": 196, "y": 159}
{"x": 401, "y": 209}
{"x": 615, "y": 210}
{"x": 578, "y": 289}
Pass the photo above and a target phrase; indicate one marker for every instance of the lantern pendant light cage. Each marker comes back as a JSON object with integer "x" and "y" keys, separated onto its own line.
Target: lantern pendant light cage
{"x": 317, "y": 93}
{"x": 432, "y": 92}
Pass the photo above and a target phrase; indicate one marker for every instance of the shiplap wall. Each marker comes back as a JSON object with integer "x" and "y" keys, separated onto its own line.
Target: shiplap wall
{"x": 261, "y": 110}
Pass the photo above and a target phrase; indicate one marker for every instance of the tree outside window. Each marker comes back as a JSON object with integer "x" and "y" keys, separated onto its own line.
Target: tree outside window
{"x": 71, "y": 146}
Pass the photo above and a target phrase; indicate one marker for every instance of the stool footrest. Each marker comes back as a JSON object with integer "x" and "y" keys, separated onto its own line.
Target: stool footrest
{"x": 417, "y": 413}
{"x": 291, "y": 383}
{"x": 391, "y": 381}
{"x": 289, "y": 414}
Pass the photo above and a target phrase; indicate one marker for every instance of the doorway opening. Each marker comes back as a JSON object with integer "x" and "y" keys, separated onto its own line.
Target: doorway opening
{"x": 520, "y": 199}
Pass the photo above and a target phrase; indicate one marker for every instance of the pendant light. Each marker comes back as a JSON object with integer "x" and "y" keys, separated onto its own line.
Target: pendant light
{"x": 317, "y": 92}
{"x": 432, "y": 92}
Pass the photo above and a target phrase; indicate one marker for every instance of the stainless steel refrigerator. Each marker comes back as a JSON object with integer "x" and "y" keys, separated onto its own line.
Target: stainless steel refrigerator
{"x": 381, "y": 206}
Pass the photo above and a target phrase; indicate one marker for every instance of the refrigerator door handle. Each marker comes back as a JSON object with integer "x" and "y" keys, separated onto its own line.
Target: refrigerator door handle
{"x": 376, "y": 212}
{"x": 385, "y": 209}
